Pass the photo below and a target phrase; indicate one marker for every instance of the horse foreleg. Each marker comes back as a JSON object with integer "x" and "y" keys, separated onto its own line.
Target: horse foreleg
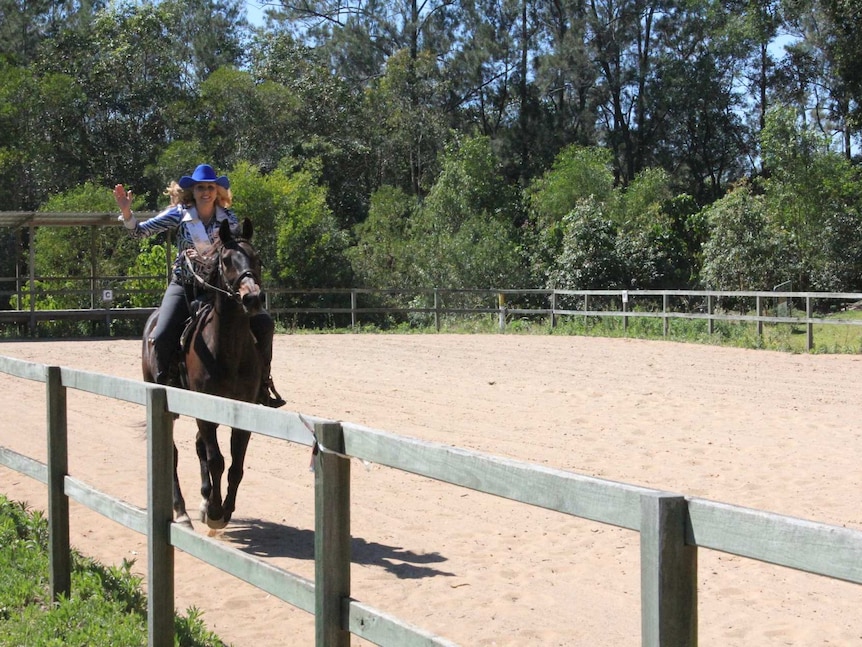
{"x": 238, "y": 445}
{"x": 212, "y": 468}
{"x": 180, "y": 514}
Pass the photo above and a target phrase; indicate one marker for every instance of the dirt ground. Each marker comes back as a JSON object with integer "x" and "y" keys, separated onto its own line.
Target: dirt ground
{"x": 766, "y": 430}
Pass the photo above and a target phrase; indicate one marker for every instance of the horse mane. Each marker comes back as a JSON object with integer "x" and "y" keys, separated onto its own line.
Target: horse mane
{"x": 209, "y": 267}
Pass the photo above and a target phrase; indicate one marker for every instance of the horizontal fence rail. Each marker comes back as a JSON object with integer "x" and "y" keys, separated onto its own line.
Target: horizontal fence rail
{"x": 350, "y": 307}
{"x": 671, "y": 526}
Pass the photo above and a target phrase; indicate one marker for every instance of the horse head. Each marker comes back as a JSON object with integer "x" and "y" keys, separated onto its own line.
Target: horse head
{"x": 239, "y": 265}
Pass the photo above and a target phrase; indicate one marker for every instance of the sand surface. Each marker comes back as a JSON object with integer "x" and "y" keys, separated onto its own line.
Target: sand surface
{"x": 766, "y": 430}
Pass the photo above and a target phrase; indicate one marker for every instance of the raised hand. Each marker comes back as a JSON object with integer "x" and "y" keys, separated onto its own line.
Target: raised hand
{"x": 124, "y": 200}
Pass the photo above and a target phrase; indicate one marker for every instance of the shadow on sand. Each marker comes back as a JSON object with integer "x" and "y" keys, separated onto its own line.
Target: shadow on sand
{"x": 266, "y": 539}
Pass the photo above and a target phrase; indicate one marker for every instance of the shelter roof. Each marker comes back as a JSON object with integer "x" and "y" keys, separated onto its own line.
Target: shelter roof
{"x": 23, "y": 219}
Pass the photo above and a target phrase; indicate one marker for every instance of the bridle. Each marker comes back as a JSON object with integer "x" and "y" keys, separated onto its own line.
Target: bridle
{"x": 232, "y": 291}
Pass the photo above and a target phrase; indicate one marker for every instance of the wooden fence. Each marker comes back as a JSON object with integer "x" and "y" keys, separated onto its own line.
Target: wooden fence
{"x": 672, "y": 527}
{"x": 351, "y": 306}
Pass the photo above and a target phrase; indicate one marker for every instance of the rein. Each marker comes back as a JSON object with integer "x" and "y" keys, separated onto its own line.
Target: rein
{"x": 231, "y": 292}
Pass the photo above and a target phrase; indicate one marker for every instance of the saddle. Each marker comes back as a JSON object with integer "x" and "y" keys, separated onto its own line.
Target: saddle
{"x": 178, "y": 374}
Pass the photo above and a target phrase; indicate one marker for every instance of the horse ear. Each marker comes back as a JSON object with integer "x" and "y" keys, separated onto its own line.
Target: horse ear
{"x": 224, "y": 232}
{"x": 247, "y": 229}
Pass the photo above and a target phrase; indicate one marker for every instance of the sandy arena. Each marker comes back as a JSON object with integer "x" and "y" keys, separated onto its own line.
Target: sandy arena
{"x": 766, "y": 430}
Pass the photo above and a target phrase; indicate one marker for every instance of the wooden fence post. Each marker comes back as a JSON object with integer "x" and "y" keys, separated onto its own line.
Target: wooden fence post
{"x": 758, "y": 306}
{"x": 58, "y": 503}
{"x": 809, "y": 312}
{"x": 160, "y": 553}
{"x": 331, "y": 537}
{"x": 625, "y": 300}
{"x": 710, "y": 310}
{"x": 664, "y": 309}
{"x": 668, "y": 574}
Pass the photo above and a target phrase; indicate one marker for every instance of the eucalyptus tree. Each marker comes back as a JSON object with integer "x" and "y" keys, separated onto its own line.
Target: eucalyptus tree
{"x": 41, "y": 135}
{"x": 821, "y": 62}
{"x": 359, "y": 36}
{"x": 465, "y": 235}
{"x": 407, "y": 131}
{"x": 393, "y": 50}
{"x": 813, "y": 194}
{"x": 845, "y": 16}
{"x": 694, "y": 110}
{"x": 307, "y": 110}
{"x": 566, "y": 74}
{"x": 25, "y": 25}
{"x": 205, "y": 35}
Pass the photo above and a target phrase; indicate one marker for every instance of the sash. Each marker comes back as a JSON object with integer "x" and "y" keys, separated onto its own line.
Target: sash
{"x": 197, "y": 230}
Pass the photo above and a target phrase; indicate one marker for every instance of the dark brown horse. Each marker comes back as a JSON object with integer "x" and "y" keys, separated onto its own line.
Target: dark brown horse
{"x": 221, "y": 359}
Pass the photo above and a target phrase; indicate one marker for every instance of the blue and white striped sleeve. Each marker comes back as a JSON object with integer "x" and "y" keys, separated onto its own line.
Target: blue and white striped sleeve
{"x": 167, "y": 220}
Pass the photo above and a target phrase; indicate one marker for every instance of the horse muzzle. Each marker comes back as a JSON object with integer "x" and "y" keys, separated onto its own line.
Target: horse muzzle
{"x": 249, "y": 297}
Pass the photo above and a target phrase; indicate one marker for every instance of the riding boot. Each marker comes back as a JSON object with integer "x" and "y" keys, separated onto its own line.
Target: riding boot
{"x": 262, "y": 328}
{"x": 266, "y": 385}
{"x": 167, "y": 371}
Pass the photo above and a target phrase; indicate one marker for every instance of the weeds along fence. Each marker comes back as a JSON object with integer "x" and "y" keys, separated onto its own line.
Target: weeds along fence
{"x": 107, "y": 300}
{"x": 672, "y": 527}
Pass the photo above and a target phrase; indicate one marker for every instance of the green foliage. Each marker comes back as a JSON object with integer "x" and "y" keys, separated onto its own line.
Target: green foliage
{"x": 632, "y": 115}
{"x": 464, "y": 235}
{"x": 812, "y": 196}
{"x": 640, "y": 206}
{"x": 66, "y": 252}
{"x": 589, "y": 258}
{"x": 106, "y": 607}
{"x": 743, "y": 248}
{"x": 578, "y": 173}
{"x": 407, "y": 131}
{"x": 379, "y": 257}
{"x": 633, "y": 237}
{"x": 298, "y": 238}
{"x": 151, "y": 261}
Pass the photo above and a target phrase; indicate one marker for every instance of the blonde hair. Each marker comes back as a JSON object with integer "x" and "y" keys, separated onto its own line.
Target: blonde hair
{"x": 224, "y": 198}
{"x": 175, "y": 193}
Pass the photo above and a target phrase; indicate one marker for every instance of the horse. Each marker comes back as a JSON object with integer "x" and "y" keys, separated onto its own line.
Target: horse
{"x": 220, "y": 358}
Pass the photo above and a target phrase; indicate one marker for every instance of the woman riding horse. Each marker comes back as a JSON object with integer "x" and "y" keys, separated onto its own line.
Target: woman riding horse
{"x": 195, "y": 217}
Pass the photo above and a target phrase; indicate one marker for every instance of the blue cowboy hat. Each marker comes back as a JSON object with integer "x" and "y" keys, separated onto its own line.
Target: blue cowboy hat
{"x": 204, "y": 173}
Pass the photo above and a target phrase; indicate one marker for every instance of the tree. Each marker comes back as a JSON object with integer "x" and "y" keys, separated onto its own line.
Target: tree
{"x": 380, "y": 255}
{"x": 813, "y": 195}
{"x": 70, "y": 251}
{"x": 743, "y": 250}
{"x": 578, "y": 175}
{"x": 307, "y": 111}
{"x": 464, "y": 235}
{"x": 408, "y": 131}
{"x": 589, "y": 259}
{"x": 298, "y": 238}
{"x": 845, "y": 18}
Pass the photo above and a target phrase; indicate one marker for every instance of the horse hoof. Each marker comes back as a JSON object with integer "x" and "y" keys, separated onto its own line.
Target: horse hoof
{"x": 216, "y": 524}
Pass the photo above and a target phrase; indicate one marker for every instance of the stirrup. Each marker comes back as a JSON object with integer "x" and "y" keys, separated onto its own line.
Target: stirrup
{"x": 275, "y": 400}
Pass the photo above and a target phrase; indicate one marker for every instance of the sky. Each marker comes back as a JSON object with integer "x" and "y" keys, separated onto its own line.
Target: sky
{"x": 254, "y": 9}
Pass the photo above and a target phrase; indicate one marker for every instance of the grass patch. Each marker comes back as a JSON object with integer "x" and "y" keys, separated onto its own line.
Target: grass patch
{"x": 832, "y": 338}
{"x": 106, "y": 606}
